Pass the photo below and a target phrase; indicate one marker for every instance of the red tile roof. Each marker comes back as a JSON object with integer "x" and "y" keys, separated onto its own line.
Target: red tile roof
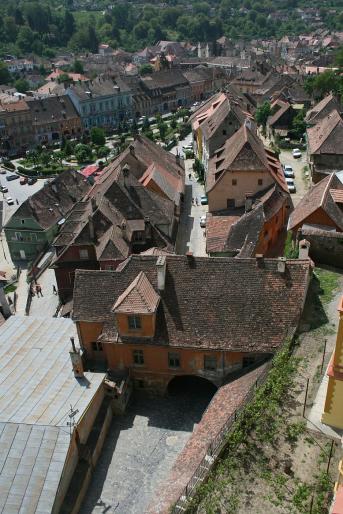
{"x": 139, "y": 297}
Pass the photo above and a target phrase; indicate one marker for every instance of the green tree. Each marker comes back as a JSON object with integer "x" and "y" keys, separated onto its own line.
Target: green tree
{"x": 5, "y": 75}
{"x": 78, "y": 67}
{"x": 98, "y": 136}
{"x": 25, "y": 39}
{"x": 146, "y": 69}
{"x": 83, "y": 153}
{"x": 22, "y": 85}
{"x": 103, "y": 152}
{"x": 262, "y": 113}
{"x": 299, "y": 125}
{"x": 69, "y": 25}
{"x": 162, "y": 127}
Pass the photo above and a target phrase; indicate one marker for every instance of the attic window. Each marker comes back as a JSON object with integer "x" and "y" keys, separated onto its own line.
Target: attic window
{"x": 22, "y": 222}
{"x": 224, "y": 132}
{"x": 134, "y": 322}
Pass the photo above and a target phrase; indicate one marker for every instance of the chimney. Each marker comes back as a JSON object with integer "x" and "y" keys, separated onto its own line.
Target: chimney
{"x": 76, "y": 360}
{"x": 161, "y": 265}
{"x": 247, "y": 123}
{"x": 132, "y": 150}
{"x": 281, "y": 265}
{"x": 248, "y": 202}
{"x": 126, "y": 173}
{"x": 147, "y": 227}
{"x": 6, "y": 309}
{"x": 259, "y": 260}
{"x": 94, "y": 205}
{"x": 177, "y": 159}
{"x": 91, "y": 228}
{"x": 304, "y": 249}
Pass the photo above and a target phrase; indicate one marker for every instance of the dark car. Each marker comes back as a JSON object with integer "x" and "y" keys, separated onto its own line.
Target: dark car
{"x": 12, "y": 177}
{"x": 31, "y": 181}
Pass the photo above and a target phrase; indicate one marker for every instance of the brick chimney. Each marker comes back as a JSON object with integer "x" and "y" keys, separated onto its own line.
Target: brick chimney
{"x": 126, "y": 173}
{"x": 91, "y": 228}
{"x": 259, "y": 260}
{"x": 161, "y": 266}
{"x": 76, "y": 360}
{"x": 248, "y": 202}
{"x": 304, "y": 249}
{"x": 281, "y": 265}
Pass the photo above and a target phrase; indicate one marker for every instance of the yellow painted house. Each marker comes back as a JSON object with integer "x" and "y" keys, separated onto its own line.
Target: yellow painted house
{"x": 333, "y": 409}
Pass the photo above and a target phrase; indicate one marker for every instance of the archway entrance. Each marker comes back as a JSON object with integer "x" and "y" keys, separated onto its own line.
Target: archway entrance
{"x": 191, "y": 386}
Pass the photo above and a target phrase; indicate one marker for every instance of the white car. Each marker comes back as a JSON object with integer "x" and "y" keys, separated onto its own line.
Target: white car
{"x": 288, "y": 171}
{"x": 203, "y": 221}
{"x": 296, "y": 153}
{"x": 9, "y": 200}
{"x": 291, "y": 185}
{"x": 188, "y": 148}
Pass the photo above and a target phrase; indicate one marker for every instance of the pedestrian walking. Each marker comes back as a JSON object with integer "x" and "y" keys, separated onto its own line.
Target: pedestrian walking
{"x": 196, "y": 201}
{"x": 190, "y": 176}
{"x": 54, "y": 290}
{"x": 39, "y": 290}
{"x": 192, "y": 201}
{"x": 17, "y": 201}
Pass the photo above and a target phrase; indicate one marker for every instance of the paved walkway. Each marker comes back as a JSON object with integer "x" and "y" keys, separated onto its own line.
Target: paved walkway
{"x": 139, "y": 451}
{"x": 22, "y": 290}
{"x": 191, "y": 237}
{"x": 45, "y": 306}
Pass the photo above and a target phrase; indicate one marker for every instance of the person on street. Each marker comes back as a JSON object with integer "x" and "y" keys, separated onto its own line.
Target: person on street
{"x": 190, "y": 176}
{"x": 39, "y": 290}
{"x": 54, "y": 290}
{"x": 196, "y": 201}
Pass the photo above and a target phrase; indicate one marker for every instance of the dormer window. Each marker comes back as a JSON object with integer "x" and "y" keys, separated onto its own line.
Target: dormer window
{"x": 134, "y": 322}
{"x": 135, "y": 310}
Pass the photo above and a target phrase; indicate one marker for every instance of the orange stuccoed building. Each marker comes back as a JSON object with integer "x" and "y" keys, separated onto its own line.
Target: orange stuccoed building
{"x": 157, "y": 318}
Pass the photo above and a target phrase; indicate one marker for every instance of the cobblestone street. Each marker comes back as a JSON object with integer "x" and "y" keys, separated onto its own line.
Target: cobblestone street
{"x": 139, "y": 451}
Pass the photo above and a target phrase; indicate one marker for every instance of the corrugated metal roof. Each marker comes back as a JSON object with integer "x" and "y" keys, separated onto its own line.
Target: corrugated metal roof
{"x": 37, "y": 387}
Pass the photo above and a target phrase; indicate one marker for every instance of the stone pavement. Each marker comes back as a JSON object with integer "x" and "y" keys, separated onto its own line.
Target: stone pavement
{"x": 139, "y": 451}
{"x": 191, "y": 237}
{"x": 45, "y": 306}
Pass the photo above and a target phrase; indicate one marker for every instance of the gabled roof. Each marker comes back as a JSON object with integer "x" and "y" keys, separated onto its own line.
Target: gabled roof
{"x": 212, "y": 114}
{"x": 328, "y": 104}
{"x": 323, "y": 195}
{"x": 239, "y": 305}
{"x": 54, "y": 201}
{"x": 139, "y": 297}
{"x": 282, "y": 108}
{"x": 171, "y": 186}
{"x": 327, "y": 135}
{"x": 242, "y": 152}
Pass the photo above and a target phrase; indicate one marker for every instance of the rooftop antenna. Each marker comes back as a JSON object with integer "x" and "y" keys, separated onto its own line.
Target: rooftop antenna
{"x": 72, "y": 413}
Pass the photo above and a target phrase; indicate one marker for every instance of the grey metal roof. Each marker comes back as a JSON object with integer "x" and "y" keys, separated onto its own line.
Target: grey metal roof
{"x": 37, "y": 387}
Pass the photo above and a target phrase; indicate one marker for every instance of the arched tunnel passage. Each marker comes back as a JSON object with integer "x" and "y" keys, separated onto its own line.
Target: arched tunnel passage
{"x": 192, "y": 387}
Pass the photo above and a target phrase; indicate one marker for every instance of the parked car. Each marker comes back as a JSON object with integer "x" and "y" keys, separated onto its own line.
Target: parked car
{"x": 203, "y": 221}
{"x": 3, "y": 189}
{"x": 9, "y": 200}
{"x": 188, "y": 148}
{"x": 288, "y": 171}
{"x": 23, "y": 181}
{"x": 291, "y": 185}
{"x": 296, "y": 153}
{"x": 12, "y": 177}
{"x": 203, "y": 200}
{"x": 31, "y": 180}
{"x": 3, "y": 171}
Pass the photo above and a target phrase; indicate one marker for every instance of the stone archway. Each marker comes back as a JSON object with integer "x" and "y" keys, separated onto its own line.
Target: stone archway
{"x": 191, "y": 384}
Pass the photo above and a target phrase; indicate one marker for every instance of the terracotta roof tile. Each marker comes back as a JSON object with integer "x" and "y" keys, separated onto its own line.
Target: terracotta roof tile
{"x": 319, "y": 196}
{"x": 139, "y": 297}
{"x": 327, "y": 135}
{"x": 239, "y": 305}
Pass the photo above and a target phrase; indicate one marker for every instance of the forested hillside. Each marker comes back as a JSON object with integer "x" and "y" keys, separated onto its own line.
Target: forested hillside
{"x": 45, "y": 27}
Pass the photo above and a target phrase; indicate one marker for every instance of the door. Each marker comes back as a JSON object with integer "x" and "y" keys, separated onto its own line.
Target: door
{"x": 22, "y": 254}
